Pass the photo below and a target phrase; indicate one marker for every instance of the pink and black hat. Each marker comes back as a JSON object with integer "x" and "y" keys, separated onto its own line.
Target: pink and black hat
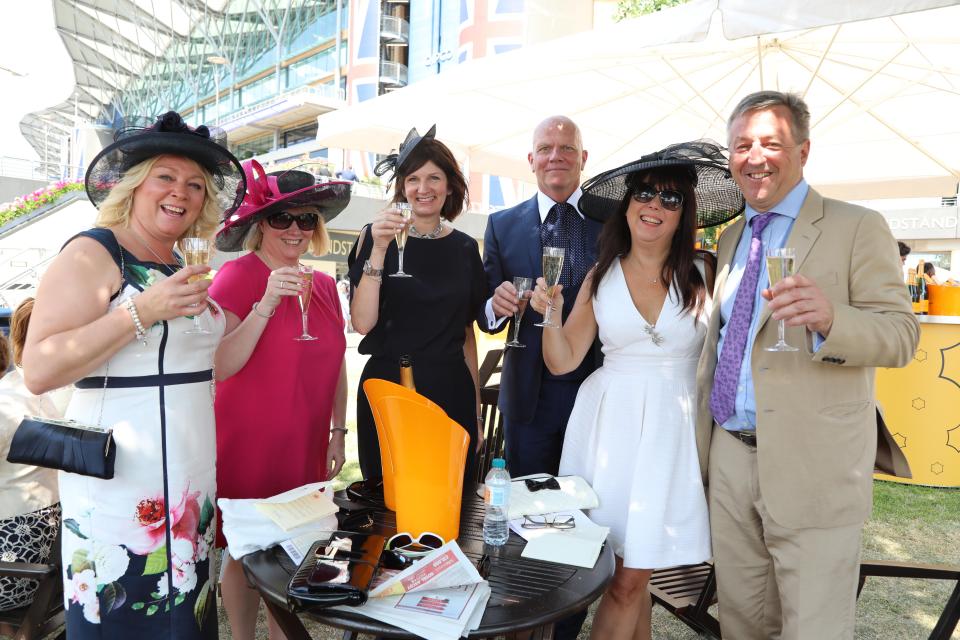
{"x": 269, "y": 193}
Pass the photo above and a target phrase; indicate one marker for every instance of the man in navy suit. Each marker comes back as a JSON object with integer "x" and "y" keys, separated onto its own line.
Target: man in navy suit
{"x": 535, "y": 403}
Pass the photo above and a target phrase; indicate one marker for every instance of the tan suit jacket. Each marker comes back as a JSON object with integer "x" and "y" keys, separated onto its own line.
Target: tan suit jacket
{"x": 817, "y": 423}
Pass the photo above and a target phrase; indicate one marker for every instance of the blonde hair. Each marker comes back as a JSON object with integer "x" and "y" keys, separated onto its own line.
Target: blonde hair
{"x": 19, "y": 323}
{"x": 319, "y": 241}
{"x": 116, "y": 207}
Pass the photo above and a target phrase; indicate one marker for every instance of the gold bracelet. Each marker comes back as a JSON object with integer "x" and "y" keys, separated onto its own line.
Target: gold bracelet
{"x": 256, "y": 310}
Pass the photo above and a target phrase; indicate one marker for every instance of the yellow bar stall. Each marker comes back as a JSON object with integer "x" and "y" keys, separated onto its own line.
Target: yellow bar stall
{"x": 921, "y": 402}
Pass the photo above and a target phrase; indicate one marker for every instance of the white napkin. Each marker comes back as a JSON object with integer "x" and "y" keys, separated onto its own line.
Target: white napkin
{"x": 574, "y": 493}
{"x": 579, "y": 546}
{"x": 247, "y": 529}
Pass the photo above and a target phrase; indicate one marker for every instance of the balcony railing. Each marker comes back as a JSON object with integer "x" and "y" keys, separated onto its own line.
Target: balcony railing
{"x": 393, "y": 73}
{"x": 394, "y": 29}
{"x": 323, "y": 91}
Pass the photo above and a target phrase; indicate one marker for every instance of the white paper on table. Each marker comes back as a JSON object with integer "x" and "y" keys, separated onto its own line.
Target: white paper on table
{"x": 288, "y": 514}
{"x": 298, "y": 547}
{"x": 579, "y": 546}
{"x": 443, "y": 567}
{"x": 247, "y": 530}
{"x": 428, "y": 624}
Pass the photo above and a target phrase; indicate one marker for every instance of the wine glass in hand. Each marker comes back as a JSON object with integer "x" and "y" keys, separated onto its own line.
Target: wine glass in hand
{"x": 306, "y": 291}
{"x": 196, "y": 251}
{"x": 552, "y": 265}
{"x": 523, "y": 287}
{"x": 406, "y": 210}
{"x": 780, "y": 264}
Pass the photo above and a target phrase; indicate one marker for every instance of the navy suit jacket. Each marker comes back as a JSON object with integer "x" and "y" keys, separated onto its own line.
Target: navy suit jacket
{"x": 511, "y": 248}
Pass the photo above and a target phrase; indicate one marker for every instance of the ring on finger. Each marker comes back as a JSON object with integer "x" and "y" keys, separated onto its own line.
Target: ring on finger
{"x": 283, "y": 285}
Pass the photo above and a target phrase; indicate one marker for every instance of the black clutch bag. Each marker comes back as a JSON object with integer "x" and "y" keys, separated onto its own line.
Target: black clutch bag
{"x": 338, "y": 569}
{"x": 64, "y": 444}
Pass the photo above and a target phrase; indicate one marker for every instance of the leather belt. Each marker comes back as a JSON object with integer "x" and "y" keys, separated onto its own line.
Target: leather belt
{"x": 748, "y": 438}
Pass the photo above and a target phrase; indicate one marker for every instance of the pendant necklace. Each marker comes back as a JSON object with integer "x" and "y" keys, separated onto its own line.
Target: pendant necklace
{"x": 159, "y": 259}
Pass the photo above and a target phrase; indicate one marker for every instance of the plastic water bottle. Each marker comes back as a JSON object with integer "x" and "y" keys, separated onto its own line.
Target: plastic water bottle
{"x": 496, "y": 497}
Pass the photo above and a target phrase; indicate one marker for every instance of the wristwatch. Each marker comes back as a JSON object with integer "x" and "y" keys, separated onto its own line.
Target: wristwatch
{"x": 368, "y": 270}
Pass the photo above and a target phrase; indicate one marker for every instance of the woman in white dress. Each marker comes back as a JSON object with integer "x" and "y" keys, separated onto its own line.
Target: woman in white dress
{"x": 631, "y": 432}
{"x": 113, "y": 316}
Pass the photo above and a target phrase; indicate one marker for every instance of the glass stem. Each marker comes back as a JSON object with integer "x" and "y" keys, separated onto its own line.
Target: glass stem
{"x": 303, "y": 320}
{"x": 516, "y": 328}
{"x": 546, "y": 317}
{"x": 780, "y": 330}
{"x": 400, "y": 260}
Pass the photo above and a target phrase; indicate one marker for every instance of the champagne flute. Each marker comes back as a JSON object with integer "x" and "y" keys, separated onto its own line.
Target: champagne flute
{"x": 780, "y": 264}
{"x": 406, "y": 210}
{"x": 196, "y": 251}
{"x": 306, "y": 291}
{"x": 552, "y": 265}
{"x": 523, "y": 286}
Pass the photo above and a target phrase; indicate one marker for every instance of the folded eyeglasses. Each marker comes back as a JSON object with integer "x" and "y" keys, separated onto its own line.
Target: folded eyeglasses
{"x": 548, "y": 522}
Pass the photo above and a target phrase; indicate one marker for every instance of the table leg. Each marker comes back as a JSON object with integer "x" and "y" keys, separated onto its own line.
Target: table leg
{"x": 288, "y": 622}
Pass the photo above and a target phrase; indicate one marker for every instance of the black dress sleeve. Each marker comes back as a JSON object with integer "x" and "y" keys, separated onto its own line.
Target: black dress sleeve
{"x": 358, "y": 255}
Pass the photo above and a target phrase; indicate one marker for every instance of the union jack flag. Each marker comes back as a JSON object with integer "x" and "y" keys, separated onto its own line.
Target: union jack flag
{"x": 489, "y": 27}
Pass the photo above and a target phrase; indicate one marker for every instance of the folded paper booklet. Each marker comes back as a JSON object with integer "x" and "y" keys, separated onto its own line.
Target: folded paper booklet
{"x": 579, "y": 546}
{"x": 290, "y": 512}
{"x": 573, "y": 493}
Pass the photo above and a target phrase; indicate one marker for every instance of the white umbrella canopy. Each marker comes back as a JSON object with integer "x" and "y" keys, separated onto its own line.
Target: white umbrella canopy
{"x": 884, "y": 92}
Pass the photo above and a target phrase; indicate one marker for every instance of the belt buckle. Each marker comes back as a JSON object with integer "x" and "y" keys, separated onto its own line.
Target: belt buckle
{"x": 746, "y": 437}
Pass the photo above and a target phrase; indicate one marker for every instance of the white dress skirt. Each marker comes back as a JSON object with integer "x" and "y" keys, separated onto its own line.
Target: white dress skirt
{"x": 631, "y": 432}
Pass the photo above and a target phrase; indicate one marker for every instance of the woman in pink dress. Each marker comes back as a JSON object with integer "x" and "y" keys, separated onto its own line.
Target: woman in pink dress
{"x": 276, "y": 396}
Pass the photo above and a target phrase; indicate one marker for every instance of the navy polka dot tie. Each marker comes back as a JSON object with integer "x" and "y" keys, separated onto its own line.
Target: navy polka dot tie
{"x": 564, "y": 227}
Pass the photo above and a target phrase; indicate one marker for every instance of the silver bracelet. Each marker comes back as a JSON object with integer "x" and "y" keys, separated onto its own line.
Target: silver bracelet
{"x": 141, "y": 333}
{"x": 344, "y": 429}
{"x": 257, "y": 311}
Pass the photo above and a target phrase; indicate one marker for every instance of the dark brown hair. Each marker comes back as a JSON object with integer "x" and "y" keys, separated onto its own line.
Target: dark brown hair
{"x": 19, "y": 323}
{"x": 615, "y": 239}
{"x": 431, "y": 150}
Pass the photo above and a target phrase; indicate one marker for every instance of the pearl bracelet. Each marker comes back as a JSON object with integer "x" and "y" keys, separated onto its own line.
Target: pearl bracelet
{"x": 141, "y": 333}
{"x": 256, "y": 310}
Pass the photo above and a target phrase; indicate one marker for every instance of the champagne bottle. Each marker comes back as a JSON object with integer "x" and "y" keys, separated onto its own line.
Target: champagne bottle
{"x": 406, "y": 373}
{"x": 912, "y": 288}
{"x": 921, "y": 287}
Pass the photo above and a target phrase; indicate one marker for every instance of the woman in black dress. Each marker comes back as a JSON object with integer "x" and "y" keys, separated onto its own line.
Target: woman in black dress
{"x": 428, "y": 316}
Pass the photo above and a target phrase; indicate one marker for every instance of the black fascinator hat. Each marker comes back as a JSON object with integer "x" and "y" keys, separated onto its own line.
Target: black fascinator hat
{"x": 169, "y": 134}
{"x": 719, "y": 199}
{"x": 394, "y": 161}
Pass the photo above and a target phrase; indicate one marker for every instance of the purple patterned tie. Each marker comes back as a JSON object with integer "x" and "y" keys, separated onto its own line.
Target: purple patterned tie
{"x": 727, "y": 376}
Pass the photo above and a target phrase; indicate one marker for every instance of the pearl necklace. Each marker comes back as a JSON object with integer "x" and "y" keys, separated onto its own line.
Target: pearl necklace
{"x": 433, "y": 235}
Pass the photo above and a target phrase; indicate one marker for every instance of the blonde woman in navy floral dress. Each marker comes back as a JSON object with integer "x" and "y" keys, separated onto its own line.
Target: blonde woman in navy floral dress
{"x": 111, "y": 315}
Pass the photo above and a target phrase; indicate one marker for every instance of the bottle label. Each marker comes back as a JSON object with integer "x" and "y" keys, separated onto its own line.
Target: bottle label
{"x": 495, "y": 496}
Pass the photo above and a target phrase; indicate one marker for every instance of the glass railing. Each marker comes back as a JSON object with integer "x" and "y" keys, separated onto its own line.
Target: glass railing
{"x": 393, "y": 73}
{"x": 394, "y": 28}
{"x": 328, "y": 92}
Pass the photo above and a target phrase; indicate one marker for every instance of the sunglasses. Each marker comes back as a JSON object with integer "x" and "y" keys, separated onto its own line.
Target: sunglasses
{"x": 283, "y": 220}
{"x": 407, "y": 545}
{"x": 545, "y": 522}
{"x": 670, "y": 199}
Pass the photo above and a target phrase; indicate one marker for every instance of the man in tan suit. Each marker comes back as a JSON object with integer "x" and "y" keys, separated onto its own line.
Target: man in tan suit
{"x": 789, "y": 440}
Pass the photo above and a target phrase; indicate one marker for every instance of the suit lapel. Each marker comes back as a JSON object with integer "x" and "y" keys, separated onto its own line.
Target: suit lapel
{"x": 725, "y": 252}
{"x": 531, "y": 238}
{"x": 802, "y": 237}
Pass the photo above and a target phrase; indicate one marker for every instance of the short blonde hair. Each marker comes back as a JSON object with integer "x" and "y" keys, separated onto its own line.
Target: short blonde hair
{"x": 116, "y": 207}
{"x": 319, "y": 241}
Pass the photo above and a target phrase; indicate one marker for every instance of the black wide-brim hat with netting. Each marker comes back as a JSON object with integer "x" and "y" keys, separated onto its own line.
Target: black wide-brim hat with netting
{"x": 719, "y": 199}
{"x": 168, "y": 135}
{"x": 269, "y": 193}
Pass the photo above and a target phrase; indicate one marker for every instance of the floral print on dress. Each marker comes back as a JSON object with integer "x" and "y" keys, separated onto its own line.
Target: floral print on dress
{"x": 96, "y": 570}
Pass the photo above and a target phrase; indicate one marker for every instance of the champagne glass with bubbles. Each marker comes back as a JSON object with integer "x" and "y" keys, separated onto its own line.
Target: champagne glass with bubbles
{"x": 552, "y": 265}
{"x": 306, "y": 291}
{"x": 523, "y": 287}
{"x": 780, "y": 264}
{"x": 406, "y": 210}
{"x": 196, "y": 251}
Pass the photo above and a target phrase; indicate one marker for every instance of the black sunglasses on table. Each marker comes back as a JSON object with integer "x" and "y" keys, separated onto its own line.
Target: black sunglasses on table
{"x": 670, "y": 199}
{"x": 283, "y": 220}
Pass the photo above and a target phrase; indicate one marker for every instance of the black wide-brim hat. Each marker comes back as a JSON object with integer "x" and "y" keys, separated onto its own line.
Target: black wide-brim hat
{"x": 168, "y": 135}
{"x": 268, "y": 193}
{"x": 719, "y": 199}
